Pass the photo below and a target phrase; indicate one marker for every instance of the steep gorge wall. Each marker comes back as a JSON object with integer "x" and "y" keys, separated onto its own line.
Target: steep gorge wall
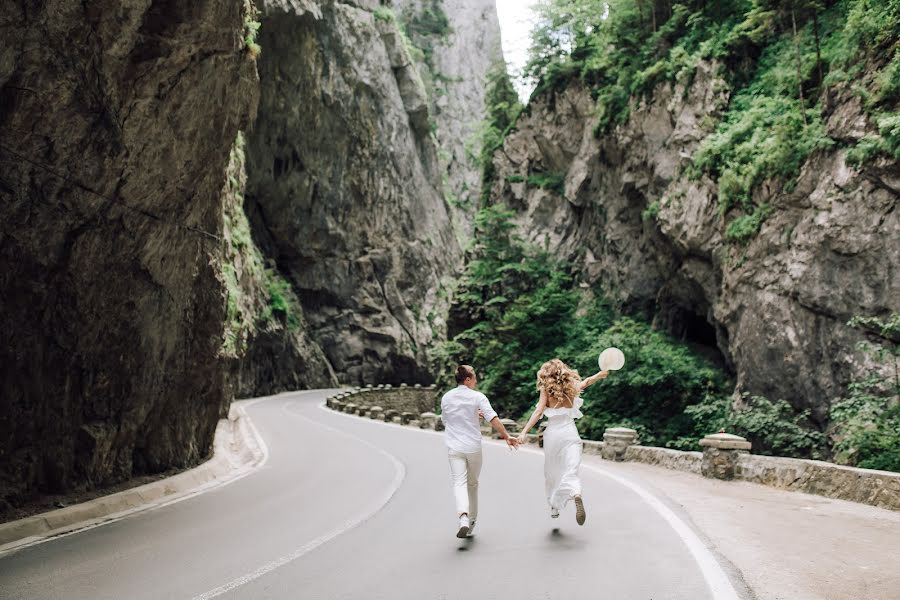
{"x": 345, "y": 186}
{"x": 115, "y": 129}
{"x": 161, "y": 252}
{"x": 775, "y": 309}
{"x": 460, "y": 59}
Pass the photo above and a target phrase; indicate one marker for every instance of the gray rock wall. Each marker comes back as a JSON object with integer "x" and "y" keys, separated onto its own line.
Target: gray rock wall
{"x": 344, "y": 184}
{"x": 115, "y": 129}
{"x": 456, "y": 85}
{"x": 773, "y": 311}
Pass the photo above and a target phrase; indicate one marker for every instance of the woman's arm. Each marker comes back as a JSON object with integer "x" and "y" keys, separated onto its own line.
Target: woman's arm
{"x": 592, "y": 380}
{"x": 535, "y": 417}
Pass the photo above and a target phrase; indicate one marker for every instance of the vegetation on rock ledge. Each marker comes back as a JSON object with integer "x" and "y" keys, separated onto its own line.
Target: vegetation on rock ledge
{"x": 783, "y": 64}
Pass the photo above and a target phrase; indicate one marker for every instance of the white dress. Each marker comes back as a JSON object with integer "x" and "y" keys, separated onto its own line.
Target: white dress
{"x": 562, "y": 454}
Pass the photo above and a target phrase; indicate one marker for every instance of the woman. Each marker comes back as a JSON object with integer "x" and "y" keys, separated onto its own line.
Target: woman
{"x": 560, "y": 387}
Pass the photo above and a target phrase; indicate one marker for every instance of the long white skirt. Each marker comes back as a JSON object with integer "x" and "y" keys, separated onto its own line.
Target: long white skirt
{"x": 562, "y": 459}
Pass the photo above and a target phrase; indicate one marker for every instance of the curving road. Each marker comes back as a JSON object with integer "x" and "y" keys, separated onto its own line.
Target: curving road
{"x": 348, "y": 508}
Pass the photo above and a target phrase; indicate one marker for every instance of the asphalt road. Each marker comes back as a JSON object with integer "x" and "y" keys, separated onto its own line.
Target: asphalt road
{"x": 348, "y": 508}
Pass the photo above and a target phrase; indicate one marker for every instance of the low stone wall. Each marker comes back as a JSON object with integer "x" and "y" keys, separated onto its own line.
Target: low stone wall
{"x": 414, "y": 399}
{"x": 728, "y": 457}
{"x": 665, "y": 457}
{"x": 878, "y": 488}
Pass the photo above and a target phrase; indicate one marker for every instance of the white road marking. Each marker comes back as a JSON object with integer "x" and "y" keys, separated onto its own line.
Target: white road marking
{"x": 716, "y": 580}
{"x": 399, "y": 476}
{"x": 719, "y": 585}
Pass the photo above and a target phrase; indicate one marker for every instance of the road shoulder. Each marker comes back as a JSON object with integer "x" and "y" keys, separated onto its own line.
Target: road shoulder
{"x": 785, "y": 544}
{"x": 238, "y": 450}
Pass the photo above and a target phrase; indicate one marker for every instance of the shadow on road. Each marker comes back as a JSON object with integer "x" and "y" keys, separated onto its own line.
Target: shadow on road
{"x": 467, "y": 544}
{"x": 562, "y": 541}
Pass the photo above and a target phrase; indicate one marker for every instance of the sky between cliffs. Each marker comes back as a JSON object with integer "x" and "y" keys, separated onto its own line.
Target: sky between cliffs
{"x": 516, "y": 21}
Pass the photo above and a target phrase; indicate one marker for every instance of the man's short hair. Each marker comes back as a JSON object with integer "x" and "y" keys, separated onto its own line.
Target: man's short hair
{"x": 463, "y": 372}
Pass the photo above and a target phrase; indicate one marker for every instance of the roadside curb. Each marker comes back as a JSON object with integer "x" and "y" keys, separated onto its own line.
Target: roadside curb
{"x": 238, "y": 450}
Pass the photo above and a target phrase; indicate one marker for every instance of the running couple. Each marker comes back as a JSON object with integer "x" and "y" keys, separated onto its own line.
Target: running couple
{"x": 462, "y": 409}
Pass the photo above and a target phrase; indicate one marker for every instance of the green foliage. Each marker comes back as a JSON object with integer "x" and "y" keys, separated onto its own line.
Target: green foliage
{"x": 623, "y": 49}
{"x": 887, "y": 144}
{"x": 782, "y": 61}
{"x": 520, "y": 307}
{"x": 251, "y": 29}
{"x": 866, "y": 423}
{"x": 515, "y": 179}
{"x": 651, "y": 212}
{"x": 282, "y": 304}
{"x": 426, "y": 26}
{"x": 554, "y": 182}
{"x": 745, "y": 227}
{"x": 384, "y": 13}
{"x": 662, "y": 378}
{"x": 774, "y": 428}
{"x": 502, "y": 108}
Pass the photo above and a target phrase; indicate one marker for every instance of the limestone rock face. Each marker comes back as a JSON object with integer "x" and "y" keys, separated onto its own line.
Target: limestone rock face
{"x": 344, "y": 183}
{"x": 267, "y": 346}
{"x": 115, "y": 129}
{"x": 775, "y": 309}
{"x": 460, "y": 61}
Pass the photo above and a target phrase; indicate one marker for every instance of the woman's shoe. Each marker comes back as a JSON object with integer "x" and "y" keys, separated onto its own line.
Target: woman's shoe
{"x": 579, "y": 510}
{"x": 554, "y": 513}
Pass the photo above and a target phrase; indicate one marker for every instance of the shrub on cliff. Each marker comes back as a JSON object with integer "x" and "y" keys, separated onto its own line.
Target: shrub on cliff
{"x": 866, "y": 423}
{"x": 783, "y": 62}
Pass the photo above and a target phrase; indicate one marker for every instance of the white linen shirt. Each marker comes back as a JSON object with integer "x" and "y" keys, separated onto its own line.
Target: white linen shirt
{"x": 462, "y": 426}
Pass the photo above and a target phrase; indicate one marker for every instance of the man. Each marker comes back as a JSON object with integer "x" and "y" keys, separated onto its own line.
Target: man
{"x": 461, "y": 411}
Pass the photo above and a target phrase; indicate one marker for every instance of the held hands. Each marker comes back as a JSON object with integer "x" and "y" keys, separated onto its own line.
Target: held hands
{"x": 523, "y": 438}
{"x": 512, "y": 442}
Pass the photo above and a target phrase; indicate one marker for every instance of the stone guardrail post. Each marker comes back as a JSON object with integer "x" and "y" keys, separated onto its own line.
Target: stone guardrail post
{"x": 617, "y": 440}
{"x": 376, "y": 412}
{"x": 720, "y": 454}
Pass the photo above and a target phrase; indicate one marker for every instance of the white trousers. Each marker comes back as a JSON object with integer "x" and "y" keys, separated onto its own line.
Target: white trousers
{"x": 465, "y": 467}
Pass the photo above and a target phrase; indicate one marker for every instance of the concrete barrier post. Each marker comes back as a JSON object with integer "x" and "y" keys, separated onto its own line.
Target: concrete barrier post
{"x": 720, "y": 454}
{"x": 376, "y": 412}
{"x": 406, "y": 417}
{"x": 389, "y": 414}
{"x": 617, "y": 440}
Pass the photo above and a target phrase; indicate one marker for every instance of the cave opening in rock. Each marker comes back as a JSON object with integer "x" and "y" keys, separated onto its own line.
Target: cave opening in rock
{"x": 696, "y": 332}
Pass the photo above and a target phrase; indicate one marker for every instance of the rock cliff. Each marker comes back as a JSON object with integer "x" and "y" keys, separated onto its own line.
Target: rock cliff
{"x": 162, "y": 250}
{"x": 115, "y": 129}
{"x": 774, "y": 310}
{"x": 461, "y": 52}
{"x": 345, "y": 186}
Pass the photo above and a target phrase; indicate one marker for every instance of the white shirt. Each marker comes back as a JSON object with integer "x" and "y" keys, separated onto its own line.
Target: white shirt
{"x": 459, "y": 411}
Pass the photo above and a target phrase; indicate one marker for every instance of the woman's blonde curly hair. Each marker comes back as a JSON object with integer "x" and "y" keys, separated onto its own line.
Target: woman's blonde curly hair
{"x": 560, "y": 382}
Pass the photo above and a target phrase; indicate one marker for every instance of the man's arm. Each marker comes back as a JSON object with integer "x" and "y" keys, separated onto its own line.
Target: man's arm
{"x": 491, "y": 415}
{"x": 499, "y": 428}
